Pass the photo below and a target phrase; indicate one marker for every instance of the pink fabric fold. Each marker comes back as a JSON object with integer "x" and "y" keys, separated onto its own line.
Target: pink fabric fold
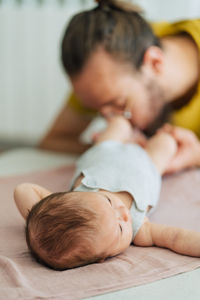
{"x": 23, "y": 278}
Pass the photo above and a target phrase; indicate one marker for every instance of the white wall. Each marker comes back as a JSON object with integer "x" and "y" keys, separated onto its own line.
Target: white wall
{"x": 32, "y": 83}
{"x": 170, "y": 9}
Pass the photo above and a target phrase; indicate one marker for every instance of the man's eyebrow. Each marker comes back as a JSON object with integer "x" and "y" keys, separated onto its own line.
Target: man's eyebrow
{"x": 109, "y": 101}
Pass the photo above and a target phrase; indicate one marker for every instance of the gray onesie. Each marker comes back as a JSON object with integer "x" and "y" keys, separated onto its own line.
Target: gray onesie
{"x": 117, "y": 167}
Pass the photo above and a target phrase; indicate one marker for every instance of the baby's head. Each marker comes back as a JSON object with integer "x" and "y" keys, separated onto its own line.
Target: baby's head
{"x": 67, "y": 230}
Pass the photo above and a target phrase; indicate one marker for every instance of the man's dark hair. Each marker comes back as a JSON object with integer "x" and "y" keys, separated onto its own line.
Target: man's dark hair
{"x": 114, "y": 25}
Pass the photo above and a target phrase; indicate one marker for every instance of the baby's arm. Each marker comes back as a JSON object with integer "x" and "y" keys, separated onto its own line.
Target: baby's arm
{"x": 179, "y": 240}
{"x": 28, "y": 194}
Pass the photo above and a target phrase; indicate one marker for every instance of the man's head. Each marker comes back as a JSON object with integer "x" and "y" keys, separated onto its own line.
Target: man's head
{"x": 67, "y": 230}
{"x": 114, "y": 61}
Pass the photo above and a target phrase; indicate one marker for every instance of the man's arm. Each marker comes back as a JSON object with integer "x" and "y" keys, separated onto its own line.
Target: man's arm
{"x": 28, "y": 194}
{"x": 63, "y": 135}
{"x": 179, "y": 240}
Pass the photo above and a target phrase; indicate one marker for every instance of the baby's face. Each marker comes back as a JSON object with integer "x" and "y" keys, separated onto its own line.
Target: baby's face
{"x": 115, "y": 232}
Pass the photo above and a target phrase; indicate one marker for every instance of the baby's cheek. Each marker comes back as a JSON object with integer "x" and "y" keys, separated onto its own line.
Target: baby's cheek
{"x": 130, "y": 233}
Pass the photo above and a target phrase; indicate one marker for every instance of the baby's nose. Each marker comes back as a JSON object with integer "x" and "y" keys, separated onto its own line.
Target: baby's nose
{"x": 107, "y": 112}
{"x": 122, "y": 213}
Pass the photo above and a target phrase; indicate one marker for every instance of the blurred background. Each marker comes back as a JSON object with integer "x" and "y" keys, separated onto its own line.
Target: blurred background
{"x": 33, "y": 86}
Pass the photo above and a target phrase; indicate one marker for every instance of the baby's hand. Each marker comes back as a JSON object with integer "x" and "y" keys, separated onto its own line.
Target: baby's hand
{"x": 188, "y": 152}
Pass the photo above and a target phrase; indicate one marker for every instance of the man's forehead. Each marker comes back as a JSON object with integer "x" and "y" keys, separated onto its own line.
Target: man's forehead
{"x": 98, "y": 93}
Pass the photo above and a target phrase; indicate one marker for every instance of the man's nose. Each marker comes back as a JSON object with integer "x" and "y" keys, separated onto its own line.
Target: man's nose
{"x": 107, "y": 112}
{"x": 122, "y": 213}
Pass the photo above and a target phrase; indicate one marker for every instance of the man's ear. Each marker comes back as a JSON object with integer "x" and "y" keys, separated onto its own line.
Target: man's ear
{"x": 153, "y": 59}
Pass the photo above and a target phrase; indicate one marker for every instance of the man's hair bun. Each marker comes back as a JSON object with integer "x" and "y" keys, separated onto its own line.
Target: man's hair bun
{"x": 119, "y": 5}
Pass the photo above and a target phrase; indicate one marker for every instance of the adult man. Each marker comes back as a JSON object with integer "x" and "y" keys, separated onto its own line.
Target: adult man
{"x": 118, "y": 65}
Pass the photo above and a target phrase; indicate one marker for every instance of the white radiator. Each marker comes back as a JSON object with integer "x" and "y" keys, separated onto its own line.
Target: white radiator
{"x": 33, "y": 86}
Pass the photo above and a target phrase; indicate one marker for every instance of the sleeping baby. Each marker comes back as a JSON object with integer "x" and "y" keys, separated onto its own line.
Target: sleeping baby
{"x": 115, "y": 185}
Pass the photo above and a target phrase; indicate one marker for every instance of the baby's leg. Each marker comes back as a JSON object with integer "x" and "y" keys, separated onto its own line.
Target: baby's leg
{"x": 120, "y": 129}
{"x": 161, "y": 148}
{"x": 28, "y": 194}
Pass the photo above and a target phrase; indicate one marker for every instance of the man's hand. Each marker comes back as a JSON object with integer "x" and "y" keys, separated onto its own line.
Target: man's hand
{"x": 188, "y": 153}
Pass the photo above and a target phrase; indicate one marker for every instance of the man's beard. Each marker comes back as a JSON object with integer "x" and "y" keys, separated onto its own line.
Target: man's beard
{"x": 162, "y": 117}
{"x": 157, "y": 107}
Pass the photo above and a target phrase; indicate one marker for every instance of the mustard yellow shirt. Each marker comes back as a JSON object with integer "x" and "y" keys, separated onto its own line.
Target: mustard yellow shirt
{"x": 189, "y": 115}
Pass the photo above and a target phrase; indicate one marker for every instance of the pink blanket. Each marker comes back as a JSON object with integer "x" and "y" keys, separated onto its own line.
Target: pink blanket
{"x": 22, "y": 278}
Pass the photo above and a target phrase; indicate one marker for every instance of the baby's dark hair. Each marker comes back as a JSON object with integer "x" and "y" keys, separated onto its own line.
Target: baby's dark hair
{"x": 60, "y": 231}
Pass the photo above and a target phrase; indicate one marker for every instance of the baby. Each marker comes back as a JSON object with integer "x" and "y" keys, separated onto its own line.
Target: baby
{"x": 116, "y": 183}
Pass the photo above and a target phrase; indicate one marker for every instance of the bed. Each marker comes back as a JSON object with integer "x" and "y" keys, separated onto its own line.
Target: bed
{"x": 28, "y": 163}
